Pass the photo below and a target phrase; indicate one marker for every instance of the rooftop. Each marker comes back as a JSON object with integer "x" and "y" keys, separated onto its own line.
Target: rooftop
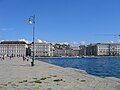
{"x": 13, "y": 42}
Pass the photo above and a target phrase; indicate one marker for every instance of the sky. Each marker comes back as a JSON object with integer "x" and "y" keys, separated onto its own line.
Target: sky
{"x": 72, "y": 21}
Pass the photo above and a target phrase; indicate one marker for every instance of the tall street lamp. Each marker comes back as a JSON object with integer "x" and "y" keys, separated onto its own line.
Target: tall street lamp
{"x": 32, "y": 22}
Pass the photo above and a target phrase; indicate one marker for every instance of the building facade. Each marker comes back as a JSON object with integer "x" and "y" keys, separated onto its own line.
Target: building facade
{"x": 75, "y": 51}
{"x": 103, "y": 49}
{"x": 82, "y": 49}
{"x": 13, "y": 48}
{"x": 91, "y": 50}
{"x": 112, "y": 49}
{"x": 42, "y": 49}
{"x": 63, "y": 50}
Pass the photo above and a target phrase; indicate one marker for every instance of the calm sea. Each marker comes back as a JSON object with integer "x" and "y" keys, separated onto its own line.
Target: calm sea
{"x": 103, "y": 67}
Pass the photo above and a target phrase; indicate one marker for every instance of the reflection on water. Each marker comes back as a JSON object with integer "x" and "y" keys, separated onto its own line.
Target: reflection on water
{"x": 103, "y": 67}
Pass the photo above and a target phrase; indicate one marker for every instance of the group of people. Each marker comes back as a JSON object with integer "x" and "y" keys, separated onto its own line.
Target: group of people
{"x": 3, "y": 57}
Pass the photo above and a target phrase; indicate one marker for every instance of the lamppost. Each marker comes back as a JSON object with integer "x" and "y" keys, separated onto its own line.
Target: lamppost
{"x": 32, "y": 22}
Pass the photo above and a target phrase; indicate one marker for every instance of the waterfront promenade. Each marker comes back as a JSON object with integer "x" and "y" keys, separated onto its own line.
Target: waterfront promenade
{"x": 16, "y": 74}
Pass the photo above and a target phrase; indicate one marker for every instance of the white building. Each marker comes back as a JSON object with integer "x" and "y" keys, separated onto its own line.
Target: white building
{"x": 103, "y": 49}
{"x": 13, "y": 48}
{"x": 42, "y": 49}
{"x": 108, "y": 49}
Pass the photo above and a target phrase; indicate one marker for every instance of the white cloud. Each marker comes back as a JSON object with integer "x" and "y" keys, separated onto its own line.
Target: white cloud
{"x": 82, "y": 42}
{"x": 111, "y": 42}
{"x": 74, "y": 44}
{"x": 64, "y": 43}
{"x": 118, "y": 40}
{"x": 39, "y": 41}
{"x": 6, "y": 29}
{"x": 45, "y": 41}
{"x": 2, "y": 40}
{"x": 24, "y": 40}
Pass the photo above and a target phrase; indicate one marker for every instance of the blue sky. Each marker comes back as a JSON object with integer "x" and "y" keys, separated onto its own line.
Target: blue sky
{"x": 61, "y": 20}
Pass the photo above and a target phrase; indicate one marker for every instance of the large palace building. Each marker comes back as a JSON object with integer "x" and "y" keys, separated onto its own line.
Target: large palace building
{"x": 42, "y": 49}
{"x": 13, "y": 48}
{"x": 103, "y": 49}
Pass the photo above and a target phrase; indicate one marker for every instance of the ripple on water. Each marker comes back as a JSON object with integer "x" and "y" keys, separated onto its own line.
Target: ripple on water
{"x": 103, "y": 67}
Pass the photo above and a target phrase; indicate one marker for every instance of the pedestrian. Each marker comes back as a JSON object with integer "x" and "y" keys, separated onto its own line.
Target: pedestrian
{"x": 27, "y": 58}
{"x": 10, "y": 57}
{"x": 23, "y": 58}
{"x": 3, "y": 57}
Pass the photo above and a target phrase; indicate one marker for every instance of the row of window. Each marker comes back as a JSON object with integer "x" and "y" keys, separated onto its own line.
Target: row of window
{"x": 12, "y": 50}
{"x": 108, "y": 51}
{"x": 41, "y": 48}
{"x": 14, "y": 55}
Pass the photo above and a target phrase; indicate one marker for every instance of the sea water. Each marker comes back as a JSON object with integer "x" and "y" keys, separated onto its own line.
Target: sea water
{"x": 102, "y": 66}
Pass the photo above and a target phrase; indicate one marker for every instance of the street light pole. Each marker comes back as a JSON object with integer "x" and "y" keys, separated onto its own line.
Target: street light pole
{"x": 32, "y": 21}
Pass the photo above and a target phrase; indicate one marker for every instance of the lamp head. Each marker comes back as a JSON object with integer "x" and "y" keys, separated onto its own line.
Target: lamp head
{"x": 30, "y": 21}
